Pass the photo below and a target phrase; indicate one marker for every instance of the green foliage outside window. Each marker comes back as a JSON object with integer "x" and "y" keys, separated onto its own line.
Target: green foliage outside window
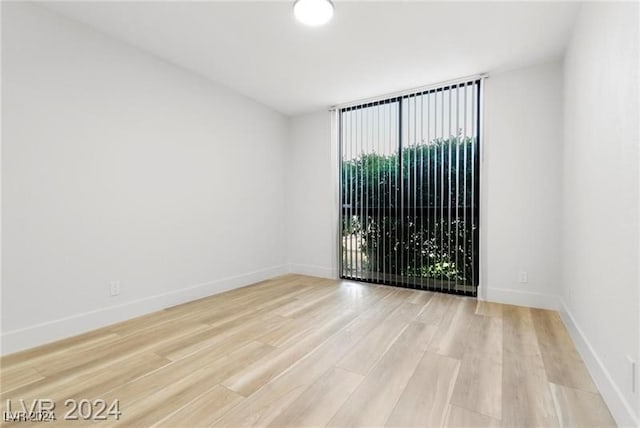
{"x": 433, "y": 236}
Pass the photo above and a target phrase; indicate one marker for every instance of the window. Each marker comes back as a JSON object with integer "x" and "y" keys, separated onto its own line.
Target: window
{"x": 409, "y": 174}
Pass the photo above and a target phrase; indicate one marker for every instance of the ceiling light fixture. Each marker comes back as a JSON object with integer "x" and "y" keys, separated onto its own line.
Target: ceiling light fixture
{"x": 313, "y": 12}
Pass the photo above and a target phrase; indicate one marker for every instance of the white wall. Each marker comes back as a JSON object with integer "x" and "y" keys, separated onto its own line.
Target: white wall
{"x": 601, "y": 196}
{"x": 119, "y": 166}
{"x": 520, "y": 192}
{"x": 311, "y": 196}
{"x": 521, "y": 172}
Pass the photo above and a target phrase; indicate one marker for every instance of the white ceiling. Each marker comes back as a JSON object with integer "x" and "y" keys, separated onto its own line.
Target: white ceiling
{"x": 368, "y": 49}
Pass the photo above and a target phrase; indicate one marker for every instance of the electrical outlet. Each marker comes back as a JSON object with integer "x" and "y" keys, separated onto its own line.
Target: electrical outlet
{"x": 632, "y": 364}
{"x": 523, "y": 277}
{"x": 114, "y": 288}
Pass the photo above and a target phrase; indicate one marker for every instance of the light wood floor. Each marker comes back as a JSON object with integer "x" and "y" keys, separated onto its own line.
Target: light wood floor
{"x": 301, "y": 351}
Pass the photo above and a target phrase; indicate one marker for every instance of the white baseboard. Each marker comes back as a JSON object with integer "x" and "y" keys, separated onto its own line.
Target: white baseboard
{"x": 520, "y": 298}
{"x": 40, "y": 334}
{"x": 319, "y": 271}
{"x": 621, "y": 410}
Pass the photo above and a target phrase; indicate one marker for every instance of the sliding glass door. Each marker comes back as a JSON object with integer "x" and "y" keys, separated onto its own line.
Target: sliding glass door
{"x": 409, "y": 192}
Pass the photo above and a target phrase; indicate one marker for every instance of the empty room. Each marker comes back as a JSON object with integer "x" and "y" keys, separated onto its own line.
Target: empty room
{"x": 320, "y": 213}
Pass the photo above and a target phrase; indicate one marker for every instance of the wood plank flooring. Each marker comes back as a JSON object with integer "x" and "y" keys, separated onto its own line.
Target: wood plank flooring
{"x": 300, "y": 351}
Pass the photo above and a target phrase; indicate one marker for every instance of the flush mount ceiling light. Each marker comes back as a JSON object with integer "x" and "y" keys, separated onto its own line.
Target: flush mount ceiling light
{"x": 313, "y": 12}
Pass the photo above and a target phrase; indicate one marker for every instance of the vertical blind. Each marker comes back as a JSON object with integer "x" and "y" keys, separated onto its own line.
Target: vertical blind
{"x": 409, "y": 189}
